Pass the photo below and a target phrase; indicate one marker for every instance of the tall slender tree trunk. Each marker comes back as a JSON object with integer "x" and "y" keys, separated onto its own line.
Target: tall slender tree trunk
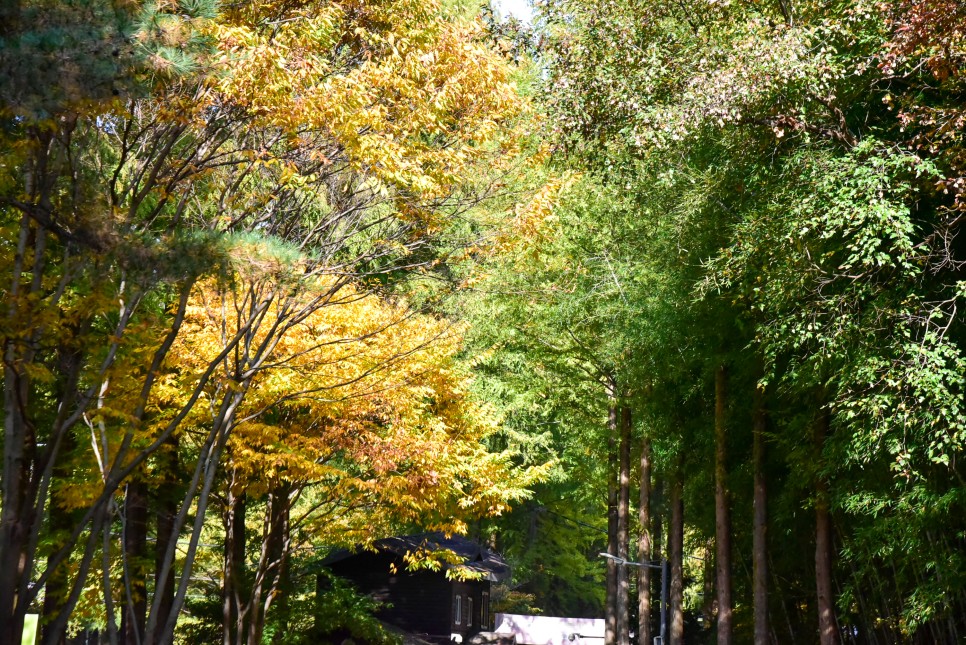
{"x": 722, "y": 512}
{"x": 234, "y": 596}
{"x": 660, "y": 553}
{"x": 273, "y": 564}
{"x": 708, "y": 600}
{"x": 166, "y": 508}
{"x": 15, "y": 520}
{"x": 623, "y": 527}
{"x": 644, "y": 546}
{"x": 283, "y": 607}
{"x": 610, "y": 610}
{"x": 676, "y": 558}
{"x": 61, "y": 522}
{"x": 760, "y": 528}
{"x": 827, "y": 626}
{"x": 134, "y": 601}
{"x": 14, "y": 526}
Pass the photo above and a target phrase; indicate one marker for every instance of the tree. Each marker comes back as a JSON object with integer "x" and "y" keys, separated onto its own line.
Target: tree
{"x": 360, "y": 422}
{"x": 699, "y": 117}
{"x": 119, "y": 208}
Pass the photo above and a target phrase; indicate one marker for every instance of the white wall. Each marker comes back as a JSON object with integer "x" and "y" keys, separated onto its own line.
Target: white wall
{"x": 551, "y": 630}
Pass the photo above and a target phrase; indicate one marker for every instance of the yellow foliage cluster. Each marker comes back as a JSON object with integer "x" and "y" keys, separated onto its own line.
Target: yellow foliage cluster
{"x": 412, "y": 98}
{"x": 362, "y": 403}
{"x": 361, "y": 399}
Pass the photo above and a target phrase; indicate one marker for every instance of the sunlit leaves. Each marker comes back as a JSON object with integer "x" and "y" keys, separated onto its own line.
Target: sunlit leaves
{"x": 361, "y": 401}
{"x": 411, "y": 97}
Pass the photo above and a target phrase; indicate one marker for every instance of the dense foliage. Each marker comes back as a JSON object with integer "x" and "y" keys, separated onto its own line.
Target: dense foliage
{"x": 672, "y": 281}
{"x": 209, "y": 212}
{"x": 762, "y": 249}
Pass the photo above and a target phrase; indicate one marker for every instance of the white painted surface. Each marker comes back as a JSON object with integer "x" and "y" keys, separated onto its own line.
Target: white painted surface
{"x": 551, "y": 630}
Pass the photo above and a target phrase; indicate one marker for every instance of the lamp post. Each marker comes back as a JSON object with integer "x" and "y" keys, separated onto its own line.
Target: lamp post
{"x": 663, "y": 566}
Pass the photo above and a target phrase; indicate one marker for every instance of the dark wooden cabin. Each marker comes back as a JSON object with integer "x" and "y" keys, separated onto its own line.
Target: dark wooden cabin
{"x": 424, "y": 602}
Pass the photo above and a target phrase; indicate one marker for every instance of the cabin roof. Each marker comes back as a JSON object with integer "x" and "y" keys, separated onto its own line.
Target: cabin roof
{"x": 475, "y": 556}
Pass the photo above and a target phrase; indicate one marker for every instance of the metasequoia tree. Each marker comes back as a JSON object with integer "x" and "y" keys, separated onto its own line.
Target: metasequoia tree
{"x": 791, "y": 171}
{"x": 571, "y": 303}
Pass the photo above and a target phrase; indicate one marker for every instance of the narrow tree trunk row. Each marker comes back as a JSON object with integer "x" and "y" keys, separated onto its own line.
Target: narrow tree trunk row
{"x": 722, "y": 511}
{"x": 676, "y": 557}
{"x": 827, "y": 626}
{"x": 760, "y": 528}
{"x": 234, "y": 593}
{"x": 623, "y": 526}
{"x": 610, "y": 607}
{"x": 644, "y": 546}
{"x": 167, "y": 508}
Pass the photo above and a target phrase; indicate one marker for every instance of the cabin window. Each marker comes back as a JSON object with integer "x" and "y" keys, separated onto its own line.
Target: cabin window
{"x": 469, "y": 610}
{"x": 458, "y": 610}
{"x": 485, "y": 610}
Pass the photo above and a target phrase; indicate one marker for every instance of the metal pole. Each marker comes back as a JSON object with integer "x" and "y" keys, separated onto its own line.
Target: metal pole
{"x": 664, "y": 576}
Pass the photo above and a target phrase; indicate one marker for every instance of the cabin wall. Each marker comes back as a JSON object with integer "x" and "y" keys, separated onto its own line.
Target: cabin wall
{"x": 421, "y": 602}
{"x": 472, "y": 605}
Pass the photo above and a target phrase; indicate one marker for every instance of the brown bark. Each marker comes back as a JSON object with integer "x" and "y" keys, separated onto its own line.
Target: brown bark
{"x": 18, "y": 447}
{"x": 623, "y": 526}
{"x": 657, "y": 542}
{"x": 234, "y": 619}
{"x": 760, "y": 528}
{"x": 708, "y": 600}
{"x": 61, "y": 523}
{"x": 28, "y": 463}
{"x": 55, "y": 590}
{"x": 722, "y": 511}
{"x": 644, "y": 547}
{"x": 135, "y": 551}
{"x": 676, "y": 558}
{"x": 610, "y": 609}
{"x": 273, "y": 563}
{"x": 827, "y": 626}
{"x": 166, "y": 508}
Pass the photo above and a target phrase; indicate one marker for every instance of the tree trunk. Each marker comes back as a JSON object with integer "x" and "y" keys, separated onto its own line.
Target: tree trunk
{"x": 676, "y": 557}
{"x": 660, "y": 553}
{"x": 283, "y": 607}
{"x": 610, "y": 609}
{"x": 135, "y": 551}
{"x": 827, "y": 627}
{"x": 234, "y": 596}
{"x": 13, "y": 526}
{"x": 722, "y": 512}
{"x": 166, "y": 508}
{"x": 623, "y": 527}
{"x": 61, "y": 522}
{"x": 708, "y": 600}
{"x": 273, "y": 563}
{"x": 760, "y": 528}
{"x": 644, "y": 547}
